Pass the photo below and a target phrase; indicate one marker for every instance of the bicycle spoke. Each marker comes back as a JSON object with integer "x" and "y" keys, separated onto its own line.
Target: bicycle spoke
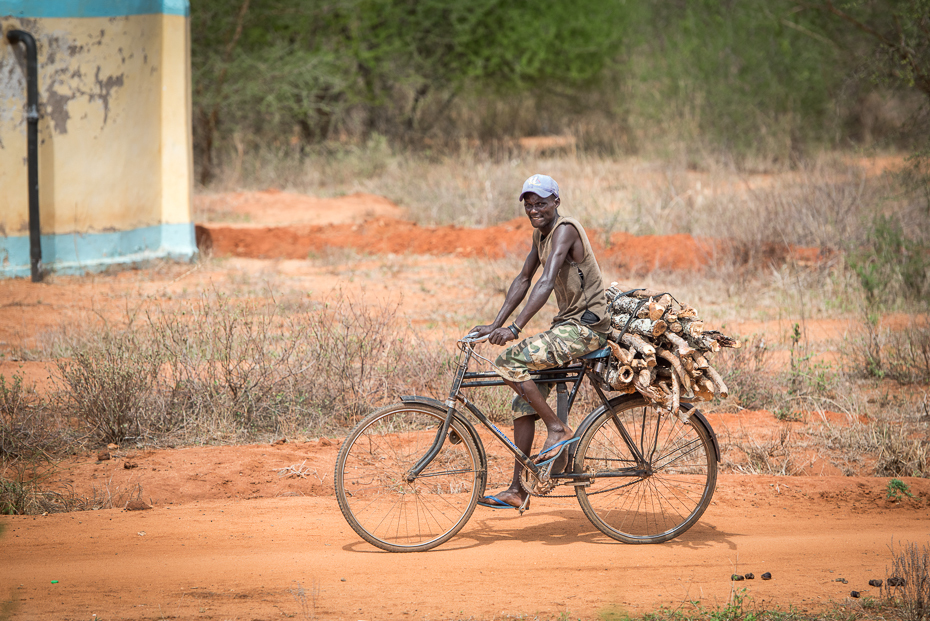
{"x": 676, "y": 484}
{"x": 377, "y": 500}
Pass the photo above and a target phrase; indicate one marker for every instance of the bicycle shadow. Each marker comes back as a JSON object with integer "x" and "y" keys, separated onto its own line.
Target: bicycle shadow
{"x": 559, "y": 527}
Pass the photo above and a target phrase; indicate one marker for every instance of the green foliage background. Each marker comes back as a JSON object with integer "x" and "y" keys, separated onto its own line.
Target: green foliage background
{"x": 762, "y": 77}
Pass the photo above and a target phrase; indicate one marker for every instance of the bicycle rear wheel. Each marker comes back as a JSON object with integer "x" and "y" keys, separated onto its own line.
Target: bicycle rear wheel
{"x": 381, "y": 505}
{"x": 650, "y": 500}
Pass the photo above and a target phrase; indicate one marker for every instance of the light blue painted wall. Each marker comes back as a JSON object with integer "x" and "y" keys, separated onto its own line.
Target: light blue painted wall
{"x": 91, "y": 8}
{"x": 78, "y": 253}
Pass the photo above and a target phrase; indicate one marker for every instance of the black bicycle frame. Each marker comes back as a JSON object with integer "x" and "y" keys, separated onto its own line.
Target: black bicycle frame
{"x": 559, "y": 376}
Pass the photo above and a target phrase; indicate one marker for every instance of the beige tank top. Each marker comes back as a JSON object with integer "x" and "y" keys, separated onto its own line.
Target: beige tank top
{"x": 572, "y": 297}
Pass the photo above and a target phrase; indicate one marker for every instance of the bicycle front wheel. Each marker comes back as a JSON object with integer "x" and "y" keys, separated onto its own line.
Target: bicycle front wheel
{"x": 374, "y": 495}
{"x": 651, "y": 476}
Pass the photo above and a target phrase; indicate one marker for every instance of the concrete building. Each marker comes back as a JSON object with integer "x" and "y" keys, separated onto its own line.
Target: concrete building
{"x": 114, "y": 140}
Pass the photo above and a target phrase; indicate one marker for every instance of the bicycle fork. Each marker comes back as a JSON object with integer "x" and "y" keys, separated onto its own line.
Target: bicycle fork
{"x": 424, "y": 461}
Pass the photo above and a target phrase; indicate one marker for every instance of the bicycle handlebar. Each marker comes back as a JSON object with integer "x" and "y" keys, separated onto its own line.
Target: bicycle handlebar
{"x": 470, "y": 338}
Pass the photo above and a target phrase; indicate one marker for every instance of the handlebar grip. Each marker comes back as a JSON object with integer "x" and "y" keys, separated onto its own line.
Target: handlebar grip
{"x": 471, "y": 338}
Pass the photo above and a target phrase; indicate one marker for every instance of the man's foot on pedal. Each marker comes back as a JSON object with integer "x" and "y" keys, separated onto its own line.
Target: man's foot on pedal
{"x": 552, "y": 461}
{"x": 554, "y": 438}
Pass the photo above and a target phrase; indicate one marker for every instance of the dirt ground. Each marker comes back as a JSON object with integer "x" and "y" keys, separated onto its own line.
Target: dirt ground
{"x": 262, "y": 534}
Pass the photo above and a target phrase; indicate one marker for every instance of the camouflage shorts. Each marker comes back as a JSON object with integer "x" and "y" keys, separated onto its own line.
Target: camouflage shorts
{"x": 553, "y": 348}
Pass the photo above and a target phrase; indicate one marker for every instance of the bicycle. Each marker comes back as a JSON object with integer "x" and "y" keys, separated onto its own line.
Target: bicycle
{"x": 409, "y": 476}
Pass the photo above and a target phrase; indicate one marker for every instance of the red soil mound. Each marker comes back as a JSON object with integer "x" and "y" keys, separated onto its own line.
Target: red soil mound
{"x": 293, "y": 226}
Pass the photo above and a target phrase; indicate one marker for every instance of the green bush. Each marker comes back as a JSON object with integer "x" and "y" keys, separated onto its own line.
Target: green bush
{"x": 891, "y": 266}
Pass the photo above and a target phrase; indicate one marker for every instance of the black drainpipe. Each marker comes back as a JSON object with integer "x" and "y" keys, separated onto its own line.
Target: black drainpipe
{"x": 32, "y": 137}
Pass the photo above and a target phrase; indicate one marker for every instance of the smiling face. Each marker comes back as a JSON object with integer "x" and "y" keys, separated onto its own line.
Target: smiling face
{"x": 541, "y": 211}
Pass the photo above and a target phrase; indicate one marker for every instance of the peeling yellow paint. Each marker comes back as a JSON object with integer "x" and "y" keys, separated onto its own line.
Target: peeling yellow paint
{"x": 114, "y": 129}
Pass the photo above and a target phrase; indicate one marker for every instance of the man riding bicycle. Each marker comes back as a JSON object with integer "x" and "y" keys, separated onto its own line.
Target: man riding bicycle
{"x": 570, "y": 269}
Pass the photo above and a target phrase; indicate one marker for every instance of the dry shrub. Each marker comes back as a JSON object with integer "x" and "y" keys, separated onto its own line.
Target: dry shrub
{"x": 20, "y": 493}
{"x": 912, "y": 564}
{"x": 893, "y": 442}
{"x": 821, "y": 207}
{"x": 25, "y": 432}
{"x": 875, "y": 350}
{"x": 898, "y": 454}
{"x": 108, "y": 385}
{"x": 772, "y": 456}
{"x": 24, "y": 490}
{"x": 224, "y": 369}
{"x": 749, "y": 374}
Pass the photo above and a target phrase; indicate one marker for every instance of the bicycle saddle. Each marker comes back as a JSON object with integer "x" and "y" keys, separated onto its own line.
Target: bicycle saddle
{"x": 603, "y": 352}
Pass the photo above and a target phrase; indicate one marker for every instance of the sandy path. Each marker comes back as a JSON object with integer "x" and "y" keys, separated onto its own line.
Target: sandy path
{"x": 230, "y": 539}
{"x": 246, "y": 559}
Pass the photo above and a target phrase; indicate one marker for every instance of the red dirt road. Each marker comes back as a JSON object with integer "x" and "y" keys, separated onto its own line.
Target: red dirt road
{"x": 229, "y": 538}
{"x": 247, "y": 558}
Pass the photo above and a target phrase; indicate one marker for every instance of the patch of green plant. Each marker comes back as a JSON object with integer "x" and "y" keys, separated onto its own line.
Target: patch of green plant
{"x": 806, "y": 377}
{"x": 898, "y": 489}
{"x": 891, "y": 266}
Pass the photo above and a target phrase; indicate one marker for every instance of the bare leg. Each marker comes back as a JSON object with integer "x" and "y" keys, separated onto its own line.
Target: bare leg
{"x": 557, "y": 430}
{"x": 524, "y": 428}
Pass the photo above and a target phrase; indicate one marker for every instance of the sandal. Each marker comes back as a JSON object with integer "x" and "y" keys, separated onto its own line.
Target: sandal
{"x": 500, "y": 504}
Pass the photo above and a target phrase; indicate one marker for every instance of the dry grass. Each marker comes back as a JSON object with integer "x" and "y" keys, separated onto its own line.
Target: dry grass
{"x": 902, "y": 354}
{"x": 252, "y": 363}
{"x": 822, "y": 204}
{"x": 24, "y": 491}
{"x": 910, "y": 565}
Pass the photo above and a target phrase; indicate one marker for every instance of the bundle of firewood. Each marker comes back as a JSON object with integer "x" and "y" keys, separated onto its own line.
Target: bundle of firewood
{"x": 661, "y": 349}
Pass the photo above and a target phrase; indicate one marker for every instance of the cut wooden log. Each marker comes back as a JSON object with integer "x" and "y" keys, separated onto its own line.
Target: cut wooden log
{"x": 681, "y": 346}
{"x": 705, "y": 385}
{"x": 704, "y": 342}
{"x": 722, "y": 339}
{"x": 676, "y": 394}
{"x": 690, "y": 366}
{"x": 721, "y": 389}
{"x": 638, "y": 344}
{"x": 620, "y": 379}
{"x": 643, "y": 327}
{"x": 643, "y": 380}
{"x": 623, "y": 355}
{"x": 699, "y": 360}
{"x": 628, "y": 306}
{"x": 676, "y": 365}
{"x": 619, "y": 353}
{"x": 625, "y": 373}
{"x": 692, "y": 327}
{"x": 658, "y": 307}
{"x": 647, "y": 293}
{"x": 630, "y": 354}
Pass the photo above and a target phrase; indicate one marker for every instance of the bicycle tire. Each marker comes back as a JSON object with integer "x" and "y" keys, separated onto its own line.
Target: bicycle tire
{"x": 377, "y": 501}
{"x": 674, "y": 487}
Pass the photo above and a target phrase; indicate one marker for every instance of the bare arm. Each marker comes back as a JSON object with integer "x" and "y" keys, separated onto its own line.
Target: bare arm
{"x": 515, "y": 295}
{"x": 566, "y": 237}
